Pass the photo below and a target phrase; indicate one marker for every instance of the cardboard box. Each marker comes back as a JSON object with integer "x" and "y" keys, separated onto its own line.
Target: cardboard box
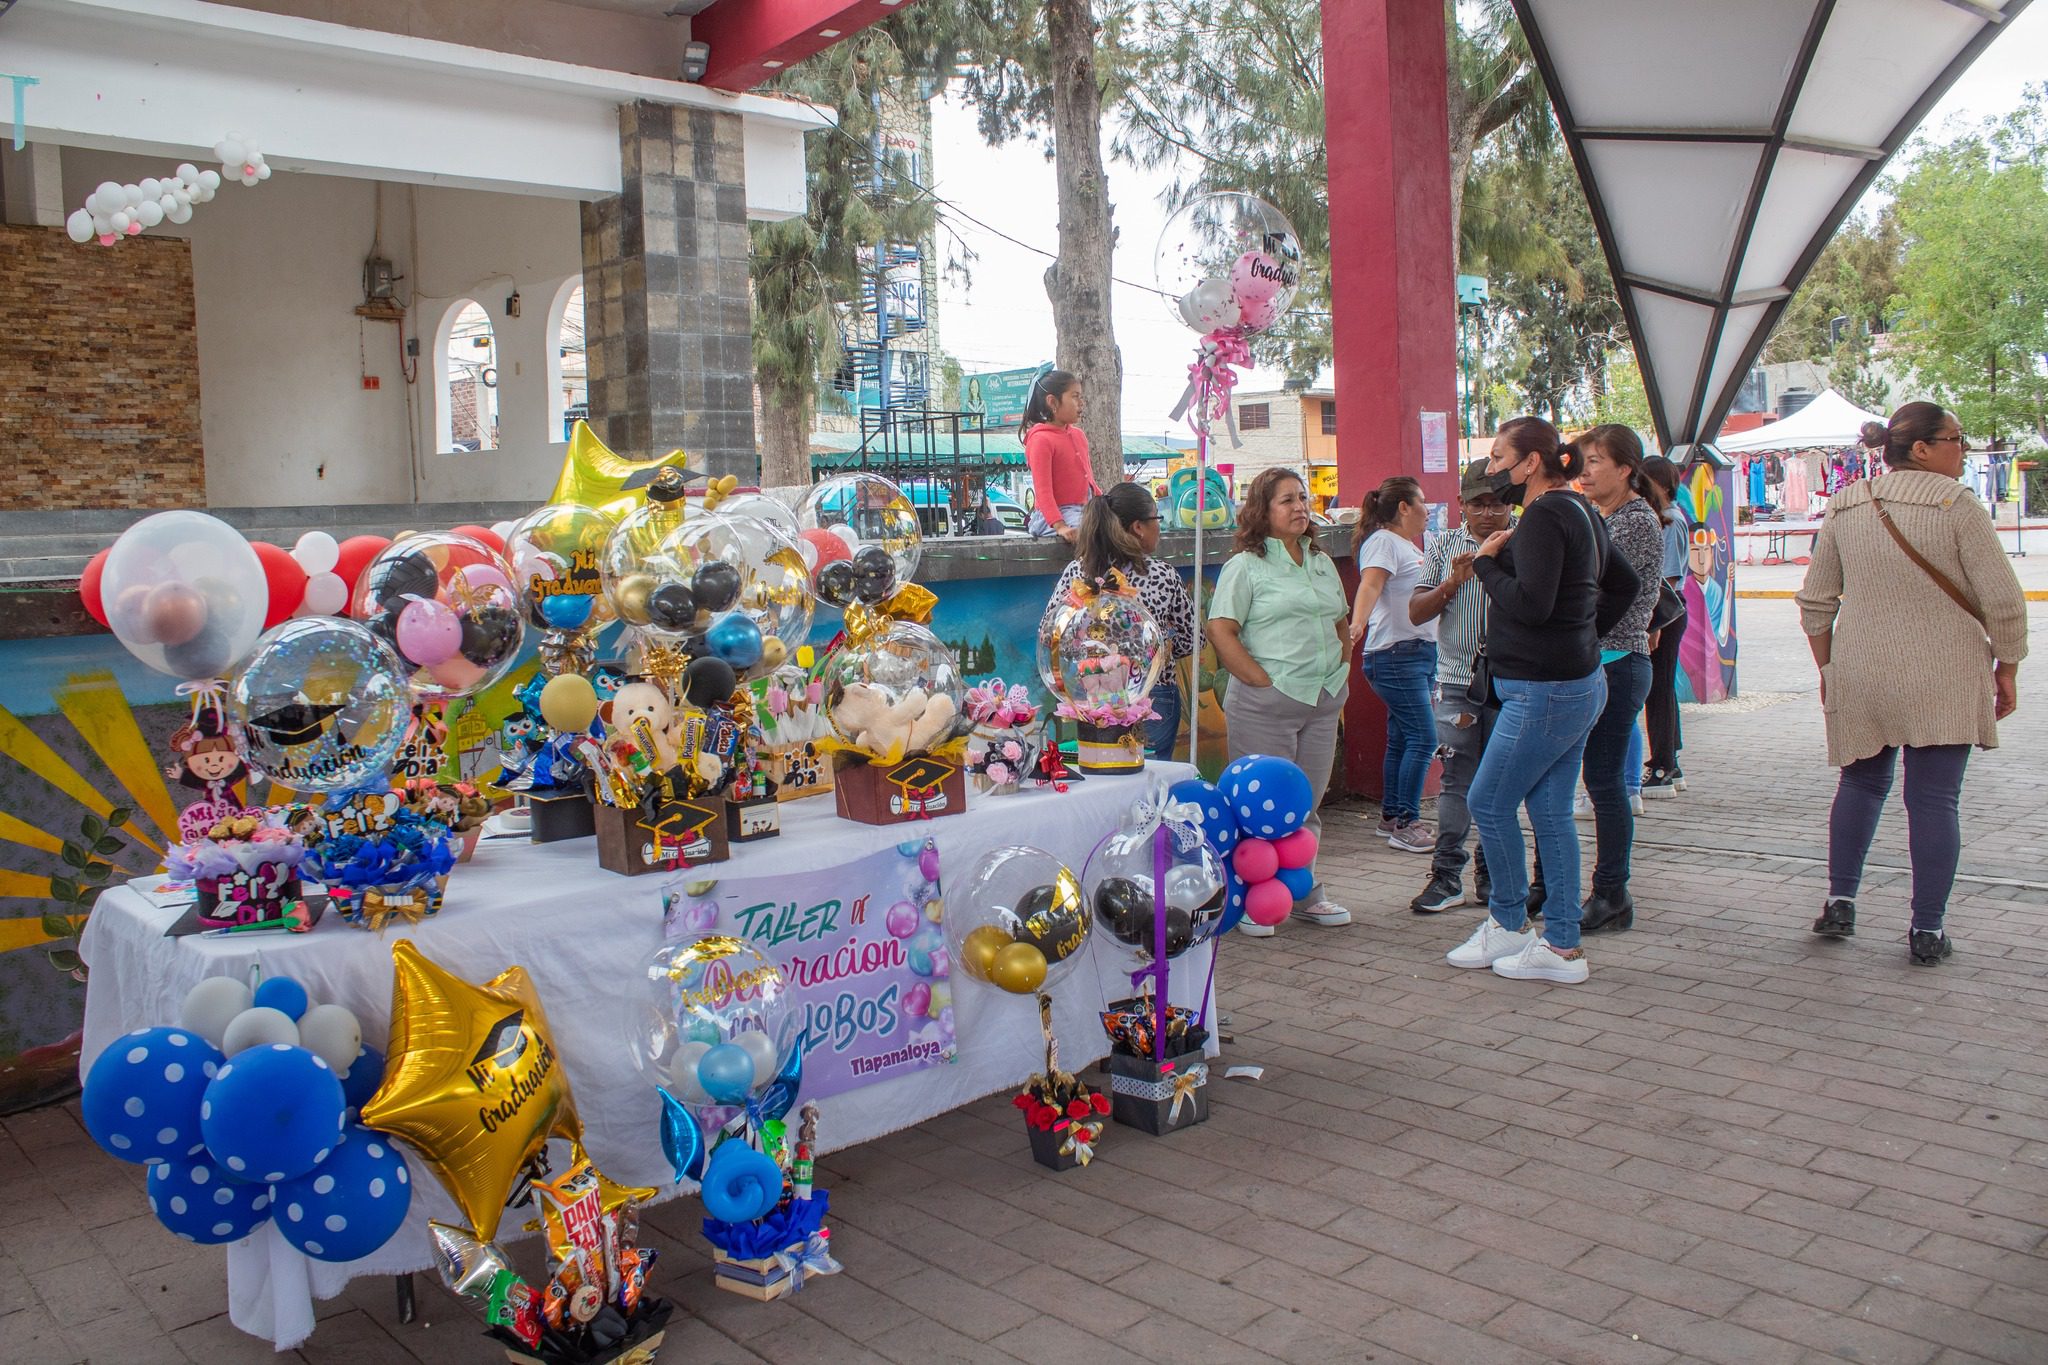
{"x": 1047, "y": 1142}
{"x": 566, "y": 814}
{"x": 1108, "y": 748}
{"x": 763, "y": 1278}
{"x": 799, "y": 771}
{"x": 920, "y": 788}
{"x": 661, "y": 837}
{"x": 1160, "y": 1096}
{"x": 758, "y": 817}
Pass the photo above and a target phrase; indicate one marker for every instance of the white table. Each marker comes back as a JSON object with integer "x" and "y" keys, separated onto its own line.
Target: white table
{"x": 581, "y": 933}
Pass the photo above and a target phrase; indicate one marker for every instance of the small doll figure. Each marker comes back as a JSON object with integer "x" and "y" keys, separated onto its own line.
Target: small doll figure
{"x": 209, "y": 760}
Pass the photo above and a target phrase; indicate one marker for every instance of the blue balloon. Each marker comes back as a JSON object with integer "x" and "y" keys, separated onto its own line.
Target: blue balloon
{"x": 1233, "y": 901}
{"x": 682, "y": 1138}
{"x": 143, "y": 1095}
{"x": 740, "y": 1184}
{"x": 920, "y": 962}
{"x": 735, "y": 638}
{"x": 780, "y": 1097}
{"x": 566, "y": 611}
{"x": 1299, "y": 881}
{"x": 283, "y": 994}
{"x": 1269, "y": 796}
{"x": 365, "y": 1074}
{"x": 726, "y": 1072}
{"x": 201, "y": 1203}
{"x": 273, "y": 1113}
{"x": 351, "y": 1203}
{"x": 1219, "y": 826}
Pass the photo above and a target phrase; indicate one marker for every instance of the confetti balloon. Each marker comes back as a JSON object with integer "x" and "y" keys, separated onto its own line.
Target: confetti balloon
{"x": 322, "y": 705}
{"x": 863, "y": 511}
{"x": 1228, "y": 262}
{"x": 741, "y": 564}
{"x": 446, "y": 605}
{"x": 1011, "y": 898}
{"x": 185, "y": 593}
{"x": 696, "y": 1002}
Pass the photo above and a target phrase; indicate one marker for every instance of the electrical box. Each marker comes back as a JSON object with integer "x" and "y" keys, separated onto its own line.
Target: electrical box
{"x": 379, "y": 280}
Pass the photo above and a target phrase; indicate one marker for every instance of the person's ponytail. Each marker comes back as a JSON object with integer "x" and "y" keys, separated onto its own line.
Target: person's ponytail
{"x": 1379, "y": 509}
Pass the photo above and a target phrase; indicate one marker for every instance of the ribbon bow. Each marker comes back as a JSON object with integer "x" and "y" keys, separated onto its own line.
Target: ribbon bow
{"x": 1211, "y": 378}
{"x": 1182, "y": 819}
{"x": 911, "y": 602}
{"x": 991, "y": 704}
{"x": 1082, "y": 1135}
{"x": 814, "y": 1257}
{"x": 210, "y": 694}
{"x": 378, "y": 907}
{"x": 1185, "y": 1084}
{"x": 1052, "y": 769}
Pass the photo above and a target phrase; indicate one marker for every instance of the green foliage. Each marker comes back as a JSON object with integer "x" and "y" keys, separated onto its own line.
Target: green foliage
{"x": 1622, "y": 397}
{"x": 75, "y": 896}
{"x": 1854, "y": 278}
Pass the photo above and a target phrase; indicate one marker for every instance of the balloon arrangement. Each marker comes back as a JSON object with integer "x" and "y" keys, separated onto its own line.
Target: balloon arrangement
{"x": 554, "y": 554}
{"x": 114, "y": 211}
{"x": 179, "y": 590}
{"x": 862, "y": 539}
{"x": 243, "y": 1113}
{"x": 444, "y": 602}
{"x": 1100, "y": 652}
{"x": 476, "y": 1088}
{"x": 1020, "y": 922}
{"x": 1272, "y": 855}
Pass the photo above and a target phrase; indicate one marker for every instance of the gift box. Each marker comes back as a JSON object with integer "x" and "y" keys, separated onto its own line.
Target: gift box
{"x": 642, "y": 1341}
{"x": 661, "y": 835}
{"x": 372, "y": 907}
{"x": 1159, "y": 1095}
{"x": 765, "y": 1278}
{"x": 1060, "y": 1147}
{"x": 565, "y": 813}
{"x": 799, "y": 770}
{"x": 262, "y": 893}
{"x": 1000, "y": 757}
{"x": 919, "y": 788}
{"x": 757, "y": 817}
{"x": 1108, "y": 748}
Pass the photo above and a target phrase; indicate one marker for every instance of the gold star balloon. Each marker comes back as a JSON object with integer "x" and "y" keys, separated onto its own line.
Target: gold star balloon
{"x": 473, "y": 1083}
{"x": 594, "y": 476}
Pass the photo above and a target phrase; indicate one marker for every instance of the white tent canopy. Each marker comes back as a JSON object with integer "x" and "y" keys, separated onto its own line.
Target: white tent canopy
{"x": 1829, "y": 422}
{"x": 1721, "y": 142}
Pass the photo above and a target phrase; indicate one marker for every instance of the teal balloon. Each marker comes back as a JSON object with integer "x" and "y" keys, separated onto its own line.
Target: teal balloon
{"x": 735, "y": 638}
{"x": 920, "y": 962}
{"x": 727, "y": 1073}
{"x": 567, "y": 611}
{"x": 682, "y": 1139}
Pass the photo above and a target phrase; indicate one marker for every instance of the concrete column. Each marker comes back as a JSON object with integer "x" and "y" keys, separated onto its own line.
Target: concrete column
{"x": 31, "y": 183}
{"x": 668, "y": 313}
{"x": 1393, "y": 286}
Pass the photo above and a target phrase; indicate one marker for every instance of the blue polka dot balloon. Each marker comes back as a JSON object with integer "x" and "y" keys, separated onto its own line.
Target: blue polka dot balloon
{"x": 1269, "y": 796}
{"x": 285, "y": 995}
{"x": 272, "y": 1113}
{"x": 1219, "y": 826}
{"x": 365, "y": 1074}
{"x": 350, "y": 1204}
{"x": 1233, "y": 901}
{"x": 143, "y": 1095}
{"x": 197, "y": 1200}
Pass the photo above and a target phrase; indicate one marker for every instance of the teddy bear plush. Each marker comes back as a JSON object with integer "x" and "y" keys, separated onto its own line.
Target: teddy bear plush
{"x": 643, "y": 701}
{"x": 911, "y": 725}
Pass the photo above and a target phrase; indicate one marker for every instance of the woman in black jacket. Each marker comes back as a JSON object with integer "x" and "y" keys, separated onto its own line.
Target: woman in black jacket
{"x": 1555, "y": 588}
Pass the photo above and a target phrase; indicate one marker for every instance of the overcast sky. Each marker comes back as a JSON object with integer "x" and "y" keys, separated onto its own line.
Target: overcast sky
{"x": 1001, "y": 318}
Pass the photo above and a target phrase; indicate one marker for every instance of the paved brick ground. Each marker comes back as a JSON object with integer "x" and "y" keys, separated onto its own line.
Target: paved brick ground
{"x": 1734, "y": 1144}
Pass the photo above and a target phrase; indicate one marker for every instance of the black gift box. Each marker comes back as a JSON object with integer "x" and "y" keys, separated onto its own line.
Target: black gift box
{"x": 565, "y": 813}
{"x": 1108, "y": 748}
{"x": 1159, "y": 1096}
{"x": 1047, "y": 1142}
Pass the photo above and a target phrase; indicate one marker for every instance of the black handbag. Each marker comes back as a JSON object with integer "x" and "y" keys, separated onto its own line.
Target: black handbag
{"x": 1670, "y": 608}
{"x": 1479, "y": 692}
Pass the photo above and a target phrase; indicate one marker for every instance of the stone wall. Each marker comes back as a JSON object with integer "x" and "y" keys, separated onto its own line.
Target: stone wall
{"x": 99, "y": 373}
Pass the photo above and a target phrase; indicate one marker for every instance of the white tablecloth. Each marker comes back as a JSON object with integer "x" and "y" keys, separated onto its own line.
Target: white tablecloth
{"x": 582, "y": 933}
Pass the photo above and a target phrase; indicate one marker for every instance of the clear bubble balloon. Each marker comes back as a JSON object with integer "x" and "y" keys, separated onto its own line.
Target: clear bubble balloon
{"x": 1106, "y": 652}
{"x": 446, "y": 606}
{"x": 1120, "y": 880}
{"x": 1228, "y": 262}
{"x": 898, "y": 692}
{"x": 878, "y": 538}
{"x": 642, "y": 580}
{"x": 322, "y": 705}
{"x": 1017, "y": 921}
{"x": 738, "y": 563}
{"x": 714, "y": 1022}
{"x": 185, "y": 593}
{"x": 556, "y": 555}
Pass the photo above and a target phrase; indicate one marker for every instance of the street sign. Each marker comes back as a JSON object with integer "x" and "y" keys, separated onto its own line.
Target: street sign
{"x": 998, "y": 398}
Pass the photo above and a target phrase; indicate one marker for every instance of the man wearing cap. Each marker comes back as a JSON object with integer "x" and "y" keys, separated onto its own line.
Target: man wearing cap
{"x": 1449, "y": 595}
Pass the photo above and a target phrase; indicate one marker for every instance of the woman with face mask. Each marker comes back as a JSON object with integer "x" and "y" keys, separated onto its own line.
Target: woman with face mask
{"x": 1555, "y": 585}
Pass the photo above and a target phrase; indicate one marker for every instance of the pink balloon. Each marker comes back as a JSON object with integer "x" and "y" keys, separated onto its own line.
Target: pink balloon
{"x": 902, "y": 919}
{"x": 173, "y": 613}
{"x": 457, "y": 674}
{"x": 1297, "y": 849}
{"x": 1256, "y": 860}
{"x": 1268, "y": 902}
{"x": 429, "y": 632}
{"x": 917, "y": 1001}
{"x": 1260, "y": 315}
{"x": 1256, "y": 277}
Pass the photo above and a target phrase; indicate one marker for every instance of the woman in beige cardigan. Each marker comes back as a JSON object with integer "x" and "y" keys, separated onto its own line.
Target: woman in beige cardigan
{"x": 1918, "y": 625}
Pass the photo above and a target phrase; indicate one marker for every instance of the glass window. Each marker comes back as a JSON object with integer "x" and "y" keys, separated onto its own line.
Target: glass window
{"x": 1255, "y": 417}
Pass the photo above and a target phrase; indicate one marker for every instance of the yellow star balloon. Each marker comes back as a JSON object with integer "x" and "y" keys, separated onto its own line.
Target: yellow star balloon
{"x": 472, "y": 1082}
{"x": 594, "y": 476}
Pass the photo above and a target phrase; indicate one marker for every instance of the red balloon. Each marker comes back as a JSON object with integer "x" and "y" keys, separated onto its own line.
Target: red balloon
{"x": 89, "y": 586}
{"x": 356, "y": 554}
{"x": 826, "y": 547}
{"x": 484, "y": 534}
{"x": 287, "y": 581}
{"x": 1297, "y": 849}
{"x": 1256, "y": 860}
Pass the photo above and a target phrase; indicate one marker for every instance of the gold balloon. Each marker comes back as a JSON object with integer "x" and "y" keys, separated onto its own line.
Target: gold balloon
{"x": 568, "y": 703}
{"x": 595, "y": 477}
{"x": 773, "y": 653}
{"x": 978, "y": 951}
{"x": 1019, "y": 969}
{"x": 631, "y": 602}
{"x": 472, "y": 1084}
{"x": 1059, "y": 919}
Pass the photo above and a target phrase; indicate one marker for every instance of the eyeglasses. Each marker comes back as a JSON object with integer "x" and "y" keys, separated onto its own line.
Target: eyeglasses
{"x": 1958, "y": 438}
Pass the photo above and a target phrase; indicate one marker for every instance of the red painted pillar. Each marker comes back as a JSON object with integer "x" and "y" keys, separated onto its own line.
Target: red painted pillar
{"x": 1392, "y": 271}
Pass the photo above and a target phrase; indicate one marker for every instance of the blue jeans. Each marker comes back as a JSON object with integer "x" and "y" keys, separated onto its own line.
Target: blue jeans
{"x": 1403, "y": 676}
{"x": 1038, "y": 526}
{"x": 1607, "y": 768}
{"x": 1632, "y": 770}
{"x": 1934, "y": 836}
{"x": 1533, "y": 757}
{"x": 1163, "y": 729}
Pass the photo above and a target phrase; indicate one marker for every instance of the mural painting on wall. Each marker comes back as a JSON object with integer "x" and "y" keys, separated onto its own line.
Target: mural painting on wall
{"x": 1706, "y": 498}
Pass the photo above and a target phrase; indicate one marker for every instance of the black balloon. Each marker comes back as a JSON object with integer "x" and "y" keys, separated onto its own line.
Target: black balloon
{"x": 708, "y": 680}
{"x": 874, "y": 574}
{"x": 691, "y": 645}
{"x": 206, "y": 655}
{"x": 1180, "y": 931}
{"x": 489, "y": 633}
{"x": 836, "y": 583}
{"x": 671, "y": 606}
{"x": 1053, "y": 920}
{"x": 1125, "y": 909}
{"x": 394, "y": 579}
{"x": 717, "y": 585}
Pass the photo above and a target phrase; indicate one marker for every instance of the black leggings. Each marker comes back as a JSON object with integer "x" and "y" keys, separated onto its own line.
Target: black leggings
{"x": 1660, "y": 710}
{"x": 1934, "y": 836}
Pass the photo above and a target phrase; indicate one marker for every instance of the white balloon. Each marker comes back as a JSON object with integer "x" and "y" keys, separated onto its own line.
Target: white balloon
{"x": 845, "y": 531}
{"x": 167, "y": 202}
{"x": 149, "y": 213}
{"x": 102, "y": 224}
{"x": 316, "y": 552}
{"x": 503, "y": 531}
{"x": 212, "y": 1005}
{"x": 188, "y": 172}
{"x": 79, "y": 226}
{"x": 761, "y": 1048}
{"x": 180, "y": 214}
{"x": 151, "y": 187}
{"x": 209, "y": 180}
{"x": 228, "y": 151}
{"x": 108, "y": 197}
{"x": 263, "y": 170}
{"x": 326, "y": 595}
{"x": 258, "y": 1026}
{"x": 682, "y": 1074}
{"x": 331, "y": 1033}
{"x": 133, "y": 193}
{"x": 119, "y": 221}
{"x": 249, "y": 177}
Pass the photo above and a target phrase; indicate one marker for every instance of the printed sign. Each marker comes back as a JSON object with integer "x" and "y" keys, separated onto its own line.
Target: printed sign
{"x": 1436, "y": 427}
{"x": 998, "y": 398}
{"x": 861, "y": 944}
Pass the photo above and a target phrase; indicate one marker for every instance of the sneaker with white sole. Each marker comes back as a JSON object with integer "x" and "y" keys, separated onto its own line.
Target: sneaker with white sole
{"x": 1582, "y": 806}
{"x": 1329, "y": 914}
{"x": 1412, "y": 836}
{"x": 1541, "y": 962}
{"x": 1250, "y": 930}
{"x": 1489, "y": 944}
{"x": 1635, "y": 803}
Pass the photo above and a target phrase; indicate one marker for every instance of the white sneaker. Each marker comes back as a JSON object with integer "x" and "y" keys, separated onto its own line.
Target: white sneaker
{"x": 1412, "y": 837}
{"x": 1250, "y": 930}
{"x": 1329, "y": 914}
{"x": 1541, "y": 962}
{"x": 1489, "y": 944}
{"x": 1635, "y": 803}
{"x": 1582, "y": 806}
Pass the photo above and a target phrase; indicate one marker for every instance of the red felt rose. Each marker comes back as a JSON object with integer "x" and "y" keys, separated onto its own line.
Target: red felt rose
{"x": 1077, "y": 1109}
{"x": 1101, "y": 1103}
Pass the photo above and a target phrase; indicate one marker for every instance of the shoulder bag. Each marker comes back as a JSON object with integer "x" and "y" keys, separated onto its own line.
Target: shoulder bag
{"x": 1941, "y": 580}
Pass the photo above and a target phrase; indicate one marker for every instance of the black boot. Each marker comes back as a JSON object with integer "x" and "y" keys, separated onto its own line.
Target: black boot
{"x": 1607, "y": 912}
{"x": 1837, "y": 919}
{"x": 1929, "y": 946}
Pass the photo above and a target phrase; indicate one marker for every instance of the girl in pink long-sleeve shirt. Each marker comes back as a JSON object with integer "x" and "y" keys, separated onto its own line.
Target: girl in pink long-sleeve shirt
{"x": 1056, "y": 452}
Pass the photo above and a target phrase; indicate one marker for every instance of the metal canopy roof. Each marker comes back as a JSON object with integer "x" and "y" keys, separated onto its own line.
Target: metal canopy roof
{"x": 1722, "y": 142}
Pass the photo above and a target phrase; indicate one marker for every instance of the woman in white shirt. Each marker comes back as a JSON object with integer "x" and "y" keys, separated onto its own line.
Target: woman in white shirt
{"x": 1400, "y": 655}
